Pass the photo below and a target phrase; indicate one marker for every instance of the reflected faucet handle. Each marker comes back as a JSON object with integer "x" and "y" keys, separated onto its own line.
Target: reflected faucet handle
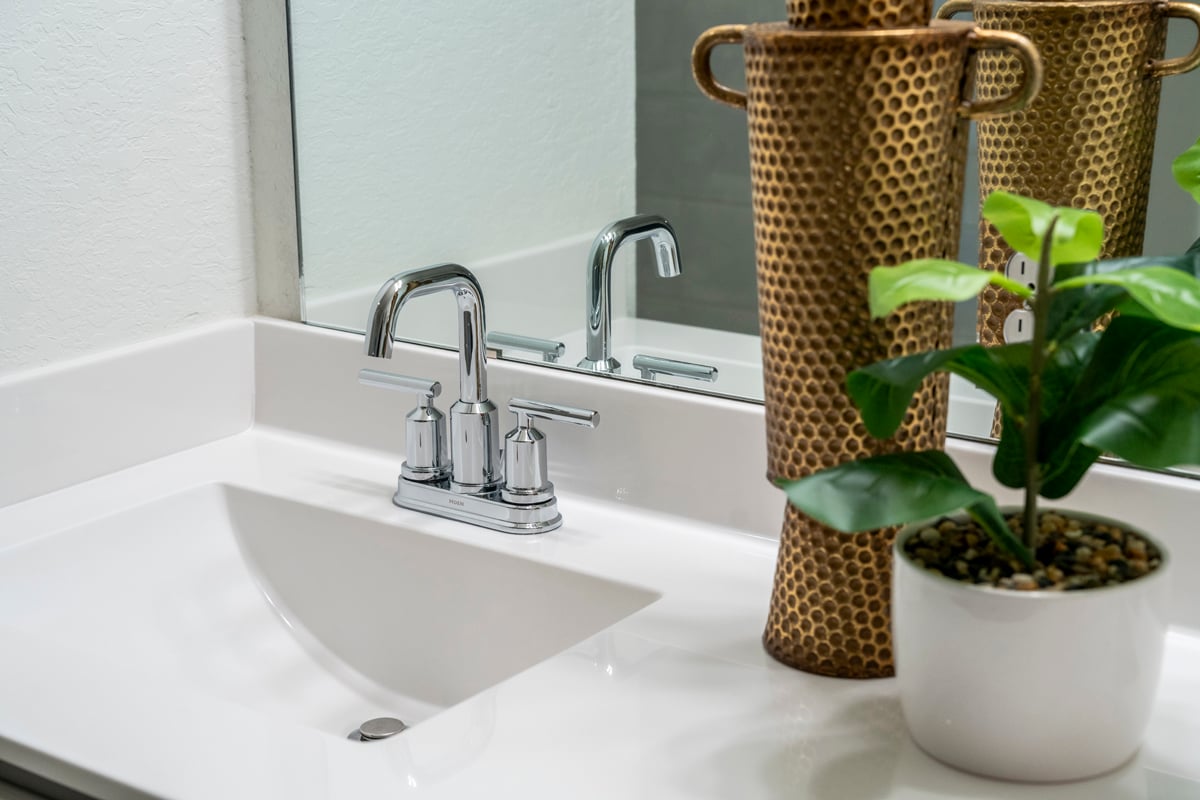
{"x": 424, "y": 426}
{"x": 525, "y": 474}
{"x": 651, "y": 366}
{"x": 550, "y": 350}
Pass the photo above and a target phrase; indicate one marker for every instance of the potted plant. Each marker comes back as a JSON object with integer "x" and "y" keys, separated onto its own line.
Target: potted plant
{"x": 1028, "y": 642}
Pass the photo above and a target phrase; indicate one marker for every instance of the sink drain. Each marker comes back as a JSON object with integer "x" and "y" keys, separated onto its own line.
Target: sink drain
{"x": 378, "y": 728}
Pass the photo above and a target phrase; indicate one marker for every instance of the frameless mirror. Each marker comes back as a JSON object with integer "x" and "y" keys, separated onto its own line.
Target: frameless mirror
{"x": 505, "y": 136}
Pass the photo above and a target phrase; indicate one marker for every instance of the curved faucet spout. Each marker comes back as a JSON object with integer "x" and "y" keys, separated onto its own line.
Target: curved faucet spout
{"x": 400, "y": 288}
{"x": 599, "y": 279}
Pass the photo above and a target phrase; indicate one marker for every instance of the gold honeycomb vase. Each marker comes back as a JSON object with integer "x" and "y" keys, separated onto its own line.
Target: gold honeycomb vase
{"x": 857, "y": 146}
{"x": 819, "y": 15}
{"x": 1087, "y": 141}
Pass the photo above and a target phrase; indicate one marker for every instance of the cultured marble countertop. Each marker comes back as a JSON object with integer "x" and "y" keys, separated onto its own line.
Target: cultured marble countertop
{"x": 677, "y": 700}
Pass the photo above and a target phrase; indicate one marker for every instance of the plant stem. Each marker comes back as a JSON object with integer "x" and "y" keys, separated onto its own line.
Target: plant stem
{"x": 1037, "y": 365}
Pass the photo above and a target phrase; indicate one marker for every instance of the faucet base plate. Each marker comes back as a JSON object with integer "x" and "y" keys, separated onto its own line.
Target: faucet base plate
{"x": 607, "y": 366}
{"x": 484, "y": 510}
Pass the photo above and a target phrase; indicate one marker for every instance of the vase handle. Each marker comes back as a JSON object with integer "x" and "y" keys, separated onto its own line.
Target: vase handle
{"x": 1031, "y": 72}
{"x": 702, "y": 69}
{"x": 1178, "y": 66}
{"x": 953, "y": 7}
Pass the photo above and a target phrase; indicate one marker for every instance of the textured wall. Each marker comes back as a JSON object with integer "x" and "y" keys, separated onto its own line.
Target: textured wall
{"x": 124, "y": 190}
{"x": 457, "y": 131}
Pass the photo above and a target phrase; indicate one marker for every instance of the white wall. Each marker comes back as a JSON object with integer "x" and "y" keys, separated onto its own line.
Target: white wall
{"x": 124, "y": 173}
{"x": 459, "y": 131}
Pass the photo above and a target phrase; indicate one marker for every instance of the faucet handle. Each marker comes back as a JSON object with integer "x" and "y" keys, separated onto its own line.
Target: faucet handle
{"x": 550, "y": 350}
{"x": 525, "y": 481}
{"x": 651, "y": 366}
{"x": 535, "y": 409}
{"x": 424, "y": 426}
{"x": 424, "y": 388}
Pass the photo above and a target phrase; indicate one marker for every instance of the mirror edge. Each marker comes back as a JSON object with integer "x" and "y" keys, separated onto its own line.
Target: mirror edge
{"x": 271, "y": 121}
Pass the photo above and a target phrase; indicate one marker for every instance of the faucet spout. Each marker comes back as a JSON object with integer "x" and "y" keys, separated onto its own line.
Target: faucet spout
{"x": 599, "y": 279}
{"x": 400, "y": 288}
{"x": 474, "y": 420}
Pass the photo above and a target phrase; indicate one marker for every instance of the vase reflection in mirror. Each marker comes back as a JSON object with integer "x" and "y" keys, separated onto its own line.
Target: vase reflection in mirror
{"x": 857, "y": 148}
{"x": 1087, "y": 140}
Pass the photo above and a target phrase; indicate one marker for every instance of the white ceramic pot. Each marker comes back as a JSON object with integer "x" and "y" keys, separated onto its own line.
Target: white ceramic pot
{"x": 1029, "y": 686}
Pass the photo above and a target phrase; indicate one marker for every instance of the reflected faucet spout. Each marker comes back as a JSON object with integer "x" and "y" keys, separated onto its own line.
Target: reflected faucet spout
{"x": 599, "y": 279}
{"x": 397, "y": 290}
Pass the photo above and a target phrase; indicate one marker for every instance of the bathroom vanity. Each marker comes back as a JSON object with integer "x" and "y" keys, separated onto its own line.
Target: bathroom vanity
{"x": 205, "y": 586}
{"x": 205, "y": 589}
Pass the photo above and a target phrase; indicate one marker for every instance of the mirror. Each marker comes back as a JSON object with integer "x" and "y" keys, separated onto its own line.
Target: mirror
{"x": 505, "y": 136}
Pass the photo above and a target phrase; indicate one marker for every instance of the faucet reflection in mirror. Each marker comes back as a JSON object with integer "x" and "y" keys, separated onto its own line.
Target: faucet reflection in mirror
{"x": 473, "y": 487}
{"x": 599, "y": 279}
{"x": 409, "y": 190}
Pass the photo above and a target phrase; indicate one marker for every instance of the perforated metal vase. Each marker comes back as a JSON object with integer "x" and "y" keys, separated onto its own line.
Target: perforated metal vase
{"x": 1087, "y": 141}
{"x": 822, "y": 15}
{"x": 857, "y": 146}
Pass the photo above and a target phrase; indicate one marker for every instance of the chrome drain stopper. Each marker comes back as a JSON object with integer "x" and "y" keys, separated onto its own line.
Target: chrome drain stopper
{"x": 380, "y": 728}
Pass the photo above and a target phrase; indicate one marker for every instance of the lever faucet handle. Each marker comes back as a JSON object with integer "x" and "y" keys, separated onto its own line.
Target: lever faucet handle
{"x": 525, "y": 474}
{"x": 424, "y": 388}
{"x": 550, "y": 350}
{"x": 424, "y": 426}
{"x": 651, "y": 366}
{"x": 534, "y": 409}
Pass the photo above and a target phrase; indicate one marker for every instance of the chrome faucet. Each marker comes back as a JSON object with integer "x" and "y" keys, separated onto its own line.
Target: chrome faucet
{"x": 474, "y": 421}
{"x": 599, "y": 279}
{"x": 472, "y": 487}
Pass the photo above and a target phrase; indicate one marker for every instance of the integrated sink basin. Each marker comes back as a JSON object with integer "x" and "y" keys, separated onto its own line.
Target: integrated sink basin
{"x": 314, "y": 616}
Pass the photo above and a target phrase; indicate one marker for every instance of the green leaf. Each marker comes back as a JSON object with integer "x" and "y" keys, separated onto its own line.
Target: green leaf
{"x": 1186, "y": 169}
{"x": 884, "y": 390}
{"x": 1074, "y": 310}
{"x": 1008, "y": 465}
{"x": 1068, "y": 362}
{"x": 1062, "y": 471}
{"x": 1023, "y": 222}
{"x": 895, "y": 489}
{"x": 1170, "y": 294}
{"x": 1139, "y": 397}
{"x": 1148, "y": 428}
{"x": 1128, "y": 307}
{"x": 1188, "y": 262}
{"x": 1062, "y": 459}
{"x": 1147, "y": 409}
{"x": 888, "y": 288}
{"x": 881, "y": 491}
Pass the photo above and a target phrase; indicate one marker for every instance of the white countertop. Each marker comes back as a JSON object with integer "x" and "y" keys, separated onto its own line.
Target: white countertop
{"x": 676, "y": 700}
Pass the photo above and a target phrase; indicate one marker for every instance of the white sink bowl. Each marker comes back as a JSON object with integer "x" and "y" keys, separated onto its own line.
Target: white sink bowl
{"x": 311, "y": 615}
